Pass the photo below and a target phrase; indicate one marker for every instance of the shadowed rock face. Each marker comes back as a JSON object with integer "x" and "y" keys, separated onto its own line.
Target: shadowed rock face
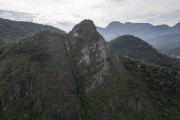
{"x": 75, "y": 76}
{"x": 90, "y": 53}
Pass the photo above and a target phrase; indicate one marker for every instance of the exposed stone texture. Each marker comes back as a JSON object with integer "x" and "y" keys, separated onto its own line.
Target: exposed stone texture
{"x": 93, "y": 53}
{"x": 104, "y": 56}
{"x": 85, "y": 55}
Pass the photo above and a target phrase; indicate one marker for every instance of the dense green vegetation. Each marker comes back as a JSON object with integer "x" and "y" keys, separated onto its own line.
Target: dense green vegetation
{"x": 163, "y": 85}
{"x": 136, "y": 48}
{"x": 12, "y": 29}
{"x": 75, "y": 76}
{"x": 136, "y": 93}
{"x": 36, "y": 81}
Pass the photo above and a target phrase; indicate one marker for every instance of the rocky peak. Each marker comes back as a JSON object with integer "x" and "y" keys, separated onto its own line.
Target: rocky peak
{"x": 84, "y": 27}
{"x": 91, "y": 52}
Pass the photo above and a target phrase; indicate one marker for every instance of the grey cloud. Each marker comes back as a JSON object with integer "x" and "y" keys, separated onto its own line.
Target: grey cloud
{"x": 68, "y": 12}
{"x": 19, "y": 16}
{"x": 117, "y": 1}
{"x": 171, "y": 15}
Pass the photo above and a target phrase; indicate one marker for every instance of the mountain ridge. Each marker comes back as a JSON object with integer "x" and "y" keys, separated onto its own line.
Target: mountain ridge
{"x": 137, "y": 29}
{"x": 16, "y": 29}
{"x": 152, "y": 34}
{"x": 76, "y": 76}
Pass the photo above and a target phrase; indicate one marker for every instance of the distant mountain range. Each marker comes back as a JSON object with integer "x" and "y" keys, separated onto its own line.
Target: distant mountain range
{"x": 164, "y": 38}
{"x": 145, "y": 31}
{"x": 168, "y": 44}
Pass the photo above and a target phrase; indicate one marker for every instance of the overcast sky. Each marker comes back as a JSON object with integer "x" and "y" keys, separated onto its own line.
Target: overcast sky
{"x": 101, "y": 12}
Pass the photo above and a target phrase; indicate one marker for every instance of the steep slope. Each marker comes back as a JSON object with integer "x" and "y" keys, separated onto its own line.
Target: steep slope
{"x": 76, "y": 76}
{"x": 102, "y": 78}
{"x": 163, "y": 87}
{"x": 36, "y": 80}
{"x": 136, "y": 48}
{"x": 89, "y": 49}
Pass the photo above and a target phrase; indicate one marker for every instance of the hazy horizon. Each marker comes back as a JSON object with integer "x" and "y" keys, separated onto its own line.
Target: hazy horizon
{"x": 66, "y": 13}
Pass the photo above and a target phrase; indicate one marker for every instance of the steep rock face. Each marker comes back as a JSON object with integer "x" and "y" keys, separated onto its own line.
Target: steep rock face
{"x": 90, "y": 53}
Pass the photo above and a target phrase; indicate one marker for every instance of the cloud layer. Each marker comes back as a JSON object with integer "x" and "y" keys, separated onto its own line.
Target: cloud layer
{"x": 102, "y": 12}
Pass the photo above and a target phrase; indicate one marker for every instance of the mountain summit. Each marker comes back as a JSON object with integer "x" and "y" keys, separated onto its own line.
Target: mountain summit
{"x": 92, "y": 52}
{"x": 85, "y": 25}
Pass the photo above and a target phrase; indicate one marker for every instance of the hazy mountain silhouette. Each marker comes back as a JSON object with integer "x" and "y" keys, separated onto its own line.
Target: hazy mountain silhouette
{"x": 168, "y": 44}
{"x": 164, "y": 38}
{"x": 145, "y": 31}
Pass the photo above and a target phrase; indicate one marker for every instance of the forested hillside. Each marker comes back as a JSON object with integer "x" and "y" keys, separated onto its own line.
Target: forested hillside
{"x": 138, "y": 49}
{"x": 77, "y": 76}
